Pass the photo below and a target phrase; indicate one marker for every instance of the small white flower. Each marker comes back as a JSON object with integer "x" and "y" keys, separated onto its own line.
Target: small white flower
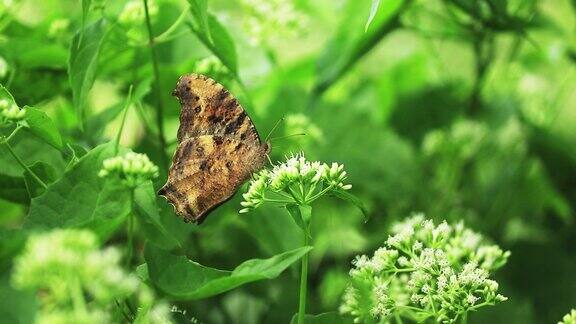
{"x": 133, "y": 12}
{"x": 131, "y": 169}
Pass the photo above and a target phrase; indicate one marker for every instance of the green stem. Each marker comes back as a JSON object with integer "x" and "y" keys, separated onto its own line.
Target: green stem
{"x": 119, "y": 134}
{"x": 318, "y": 195}
{"x": 304, "y": 273}
{"x": 156, "y": 70}
{"x": 464, "y": 318}
{"x": 167, "y": 34}
{"x": 278, "y": 201}
{"x": 398, "y": 318}
{"x": 14, "y": 132}
{"x": 24, "y": 166}
{"x": 303, "y": 284}
{"x": 130, "y": 233}
{"x": 78, "y": 297}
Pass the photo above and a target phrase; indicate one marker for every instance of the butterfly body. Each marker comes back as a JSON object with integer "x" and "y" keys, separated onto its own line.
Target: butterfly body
{"x": 219, "y": 148}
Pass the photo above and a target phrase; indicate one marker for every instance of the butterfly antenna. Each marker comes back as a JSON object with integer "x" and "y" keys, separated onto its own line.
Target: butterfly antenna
{"x": 273, "y": 129}
{"x": 287, "y": 136}
{"x": 269, "y": 160}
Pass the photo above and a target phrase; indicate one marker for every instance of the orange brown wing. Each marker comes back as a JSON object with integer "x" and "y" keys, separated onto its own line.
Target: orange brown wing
{"x": 206, "y": 171}
{"x": 209, "y": 109}
{"x": 219, "y": 148}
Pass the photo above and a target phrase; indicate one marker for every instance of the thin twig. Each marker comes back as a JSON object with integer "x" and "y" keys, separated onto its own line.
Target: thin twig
{"x": 156, "y": 70}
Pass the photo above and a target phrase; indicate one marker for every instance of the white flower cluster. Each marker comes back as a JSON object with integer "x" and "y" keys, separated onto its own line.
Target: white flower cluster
{"x": 431, "y": 271}
{"x": 58, "y": 28}
{"x": 66, "y": 265}
{"x": 272, "y": 19}
{"x": 295, "y": 181}
{"x": 134, "y": 14}
{"x": 569, "y": 318}
{"x": 212, "y": 67}
{"x": 132, "y": 169}
{"x": 301, "y": 124}
{"x": 10, "y": 111}
{"x": 464, "y": 138}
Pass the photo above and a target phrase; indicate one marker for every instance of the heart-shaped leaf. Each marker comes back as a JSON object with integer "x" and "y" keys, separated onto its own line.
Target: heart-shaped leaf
{"x": 149, "y": 218}
{"x": 82, "y": 199}
{"x": 324, "y": 318}
{"x": 345, "y": 195}
{"x": 42, "y": 126}
{"x": 183, "y": 279}
{"x": 83, "y": 63}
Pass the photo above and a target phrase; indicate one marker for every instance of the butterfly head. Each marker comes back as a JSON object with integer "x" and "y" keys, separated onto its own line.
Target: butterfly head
{"x": 267, "y": 147}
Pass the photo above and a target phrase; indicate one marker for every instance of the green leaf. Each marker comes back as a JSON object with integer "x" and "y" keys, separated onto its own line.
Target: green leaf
{"x": 13, "y": 189}
{"x": 30, "y": 149}
{"x": 85, "y": 10}
{"x": 183, "y": 279}
{"x": 82, "y": 199}
{"x": 351, "y": 43}
{"x": 373, "y": 11}
{"x": 301, "y": 216}
{"x": 47, "y": 173}
{"x": 324, "y": 318}
{"x": 96, "y": 124}
{"x": 42, "y": 126}
{"x": 11, "y": 244}
{"x": 5, "y": 94}
{"x": 217, "y": 39}
{"x": 147, "y": 212}
{"x": 18, "y": 307}
{"x": 199, "y": 9}
{"x": 83, "y": 64}
{"x": 345, "y": 195}
{"x": 294, "y": 212}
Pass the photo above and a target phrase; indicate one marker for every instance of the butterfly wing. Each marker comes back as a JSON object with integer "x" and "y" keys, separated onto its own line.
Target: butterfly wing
{"x": 219, "y": 148}
{"x": 206, "y": 171}
{"x": 209, "y": 109}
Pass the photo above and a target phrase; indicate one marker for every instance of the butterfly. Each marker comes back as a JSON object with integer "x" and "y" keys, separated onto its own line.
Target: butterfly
{"x": 219, "y": 148}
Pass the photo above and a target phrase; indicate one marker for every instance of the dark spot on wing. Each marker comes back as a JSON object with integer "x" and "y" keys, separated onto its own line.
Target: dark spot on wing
{"x": 234, "y": 125}
{"x": 231, "y": 104}
{"x": 190, "y": 212}
{"x": 186, "y": 150}
{"x": 220, "y": 97}
{"x": 238, "y": 146}
{"x": 229, "y": 165}
{"x": 203, "y": 166}
{"x": 215, "y": 119}
{"x": 218, "y": 140}
{"x": 200, "y": 202}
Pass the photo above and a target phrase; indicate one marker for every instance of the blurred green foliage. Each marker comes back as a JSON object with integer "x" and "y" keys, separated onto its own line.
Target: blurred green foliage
{"x": 461, "y": 109}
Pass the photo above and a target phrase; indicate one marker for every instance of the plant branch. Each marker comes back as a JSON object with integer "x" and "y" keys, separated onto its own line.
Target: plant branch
{"x": 156, "y": 70}
{"x": 119, "y": 134}
{"x": 24, "y": 166}
{"x": 167, "y": 35}
{"x": 303, "y": 280}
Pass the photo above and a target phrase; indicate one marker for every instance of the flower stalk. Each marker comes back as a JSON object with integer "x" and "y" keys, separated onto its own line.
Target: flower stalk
{"x": 296, "y": 184}
{"x": 304, "y": 271}
{"x": 156, "y": 70}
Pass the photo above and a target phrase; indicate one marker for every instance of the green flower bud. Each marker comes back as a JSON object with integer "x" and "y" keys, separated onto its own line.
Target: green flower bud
{"x": 297, "y": 179}
{"x": 134, "y": 13}
{"x": 131, "y": 169}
